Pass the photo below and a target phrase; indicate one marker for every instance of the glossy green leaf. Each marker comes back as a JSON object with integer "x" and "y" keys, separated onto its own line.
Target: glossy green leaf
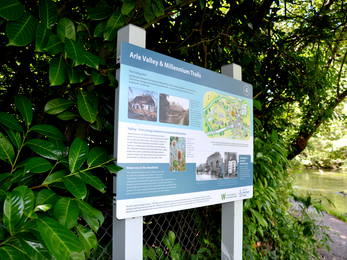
{"x": 93, "y": 181}
{"x": 87, "y": 110}
{"x": 97, "y": 155}
{"x": 42, "y": 37}
{"x": 58, "y": 105}
{"x": 78, "y": 154}
{"x": 14, "y": 136}
{"x": 11, "y": 253}
{"x": 24, "y": 106}
{"x": 60, "y": 241}
{"x": 4, "y": 177}
{"x": 67, "y": 115}
{"x": 87, "y": 237}
{"x": 92, "y": 216}
{"x": 57, "y": 70}
{"x": 22, "y": 32}
{"x": 99, "y": 13}
{"x": 49, "y": 131}
{"x": 76, "y": 187}
{"x": 9, "y": 121}
{"x": 97, "y": 125}
{"x": 66, "y": 29}
{"x": 54, "y": 45}
{"x": 148, "y": 13}
{"x": 113, "y": 168}
{"x": 38, "y": 165}
{"x": 6, "y": 149}
{"x": 127, "y": 7}
{"x": 116, "y": 21}
{"x": 66, "y": 211}
{"x": 46, "y": 196}
{"x": 48, "y": 13}
{"x": 11, "y": 9}
{"x": 35, "y": 250}
{"x": 112, "y": 78}
{"x": 98, "y": 78}
{"x": 45, "y": 149}
{"x": 91, "y": 60}
{"x": 13, "y": 210}
{"x": 99, "y": 29}
{"x": 75, "y": 75}
{"x": 28, "y": 199}
{"x": 75, "y": 51}
{"x": 19, "y": 175}
{"x": 55, "y": 176}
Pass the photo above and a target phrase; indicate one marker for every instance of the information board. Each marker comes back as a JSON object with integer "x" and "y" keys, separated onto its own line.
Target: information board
{"x": 185, "y": 135}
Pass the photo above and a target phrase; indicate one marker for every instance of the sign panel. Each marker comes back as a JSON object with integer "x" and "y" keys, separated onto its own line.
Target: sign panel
{"x": 185, "y": 135}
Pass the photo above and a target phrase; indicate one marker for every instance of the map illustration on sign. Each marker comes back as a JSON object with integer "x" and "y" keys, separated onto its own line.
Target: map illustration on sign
{"x": 225, "y": 116}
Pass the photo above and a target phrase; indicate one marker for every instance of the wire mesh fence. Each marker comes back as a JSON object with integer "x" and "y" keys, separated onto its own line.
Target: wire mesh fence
{"x": 174, "y": 235}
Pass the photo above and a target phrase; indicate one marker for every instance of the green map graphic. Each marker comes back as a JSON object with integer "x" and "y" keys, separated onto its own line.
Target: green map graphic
{"x": 226, "y": 117}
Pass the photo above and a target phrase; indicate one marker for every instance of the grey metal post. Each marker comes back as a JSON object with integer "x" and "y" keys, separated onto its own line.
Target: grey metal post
{"x": 232, "y": 212}
{"x": 128, "y": 233}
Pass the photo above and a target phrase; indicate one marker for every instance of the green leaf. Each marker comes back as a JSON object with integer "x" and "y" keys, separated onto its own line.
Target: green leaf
{"x": 127, "y": 7}
{"x": 45, "y": 149}
{"x": 172, "y": 237}
{"x": 149, "y": 15}
{"x": 6, "y": 149}
{"x": 66, "y": 211}
{"x": 15, "y": 137}
{"x": 38, "y": 165}
{"x": 54, "y": 45}
{"x": 112, "y": 78}
{"x": 260, "y": 219}
{"x": 66, "y": 29}
{"x": 92, "y": 216}
{"x": 98, "y": 78}
{"x": 22, "y": 32}
{"x": 116, "y": 21}
{"x": 257, "y": 104}
{"x": 55, "y": 176}
{"x": 60, "y": 241}
{"x": 91, "y": 59}
{"x": 99, "y": 13}
{"x": 113, "y": 168}
{"x": 99, "y": 29}
{"x": 97, "y": 155}
{"x": 75, "y": 51}
{"x": 156, "y": 9}
{"x": 75, "y": 75}
{"x": 42, "y": 37}
{"x": 57, "y": 71}
{"x": 13, "y": 210}
{"x": 49, "y": 131}
{"x": 4, "y": 177}
{"x": 87, "y": 110}
{"x": 76, "y": 187}
{"x": 78, "y": 154}
{"x": 9, "y": 121}
{"x": 93, "y": 181}
{"x": 24, "y": 106}
{"x": 58, "y": 105}
{"x": 28, "y": 199}
{"x": 67, "y": 115}
{"x": 48, "y": 13}
{"x": 46, "y": 196}
{"x": 11, "y": 253}
{"x": 87, "y": 237}
{"x": 35, "y": 250}
{"x": 11, "y": 9}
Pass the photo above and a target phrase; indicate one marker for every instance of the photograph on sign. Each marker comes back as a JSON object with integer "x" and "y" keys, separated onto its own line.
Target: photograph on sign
{"x": 184, "y": 136}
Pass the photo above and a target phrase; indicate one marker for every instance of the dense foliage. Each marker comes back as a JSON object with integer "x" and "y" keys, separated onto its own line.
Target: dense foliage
{"x": 60, "y": 57}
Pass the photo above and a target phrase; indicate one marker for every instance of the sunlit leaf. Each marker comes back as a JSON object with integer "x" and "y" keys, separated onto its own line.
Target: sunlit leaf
{"x": 93, "y": 181}
{"x": 13, "y": 210}
{"x": 6, "y": 149}
{"x": 45, "y": 149}
{"x": 66, "y": 211}
{"x": 38, "y": 165}
{"x": 87, "y": 237}
{"x": 78, "y": 154}
{"x": 92, "y": 216}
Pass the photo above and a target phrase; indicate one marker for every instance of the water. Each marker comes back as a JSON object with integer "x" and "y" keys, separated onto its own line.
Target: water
{"x": 327, "y": 183}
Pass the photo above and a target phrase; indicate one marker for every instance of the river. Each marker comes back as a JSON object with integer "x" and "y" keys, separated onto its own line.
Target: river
{"x": 327, "y": 183}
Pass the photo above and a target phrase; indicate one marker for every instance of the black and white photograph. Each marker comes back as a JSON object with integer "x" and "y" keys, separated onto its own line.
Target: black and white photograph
{"x": 230, "y": 165}
{"x": 209, "y": 166}
{"x": 173, "y": 110}
{"x": 142, "y": 104}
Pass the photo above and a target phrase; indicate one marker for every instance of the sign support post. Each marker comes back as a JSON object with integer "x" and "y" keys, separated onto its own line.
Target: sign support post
{"x": 127, "y": 233}
{"x": 232, "y": 212}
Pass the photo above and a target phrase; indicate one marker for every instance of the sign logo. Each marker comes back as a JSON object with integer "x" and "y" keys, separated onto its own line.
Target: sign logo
{"x": 223, "y": 196}
{"x": 246, "y": 90}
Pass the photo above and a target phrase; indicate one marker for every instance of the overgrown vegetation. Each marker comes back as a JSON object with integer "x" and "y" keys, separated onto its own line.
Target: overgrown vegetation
{"x": 60, "y": 57}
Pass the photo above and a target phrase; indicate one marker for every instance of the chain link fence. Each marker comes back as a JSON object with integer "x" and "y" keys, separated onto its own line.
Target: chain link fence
{"x": 174, "y": 235}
